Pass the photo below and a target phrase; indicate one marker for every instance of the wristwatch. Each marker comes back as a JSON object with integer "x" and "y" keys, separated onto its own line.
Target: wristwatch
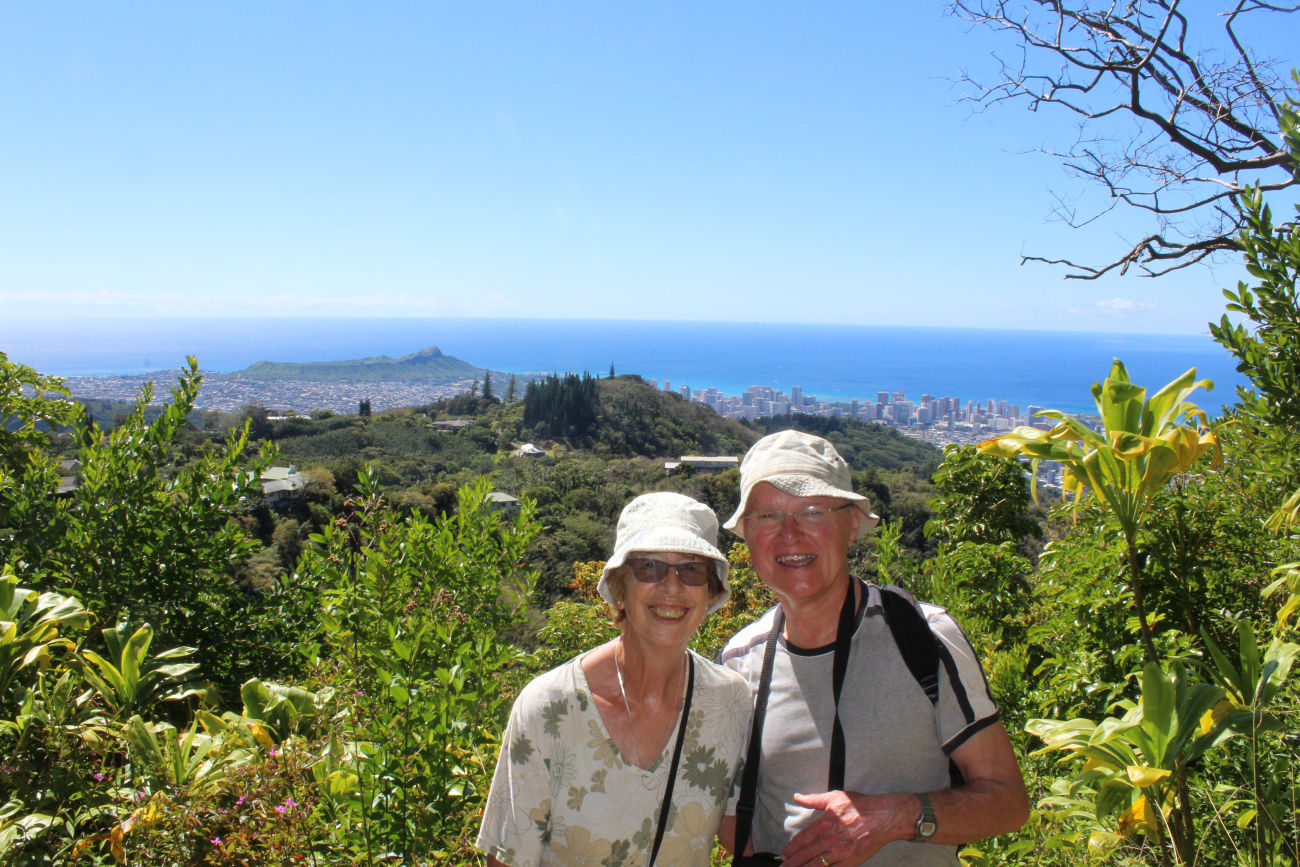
{"x": 927, "y": 825}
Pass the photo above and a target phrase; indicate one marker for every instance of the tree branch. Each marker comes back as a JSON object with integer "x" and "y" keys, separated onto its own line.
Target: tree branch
{"x": 1212, "y": 111}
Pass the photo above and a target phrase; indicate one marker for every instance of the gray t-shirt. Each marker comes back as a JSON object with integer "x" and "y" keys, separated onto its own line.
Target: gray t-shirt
{"x": 896, "y": 740}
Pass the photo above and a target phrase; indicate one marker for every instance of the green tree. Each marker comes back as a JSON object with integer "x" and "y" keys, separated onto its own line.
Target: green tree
{"x": 413, "y": 611}
{"x": 256, "y": 417}
{"x": 487, "y": 386}
{"x": 147, "y": 539}
{"x": 31, "y": 407}
{"x": 981, "y": 499}
{"x": 1267, "y": 344}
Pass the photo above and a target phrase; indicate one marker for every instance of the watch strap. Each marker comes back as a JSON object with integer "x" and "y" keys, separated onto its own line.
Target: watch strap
{"x": 927, "y": 824}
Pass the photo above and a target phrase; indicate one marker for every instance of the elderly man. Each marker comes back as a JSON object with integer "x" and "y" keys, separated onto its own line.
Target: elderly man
{"x": 861, "y": 759}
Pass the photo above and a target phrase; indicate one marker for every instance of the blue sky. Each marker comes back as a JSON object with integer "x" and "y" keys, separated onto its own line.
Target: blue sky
{"x": 756, "y": 161}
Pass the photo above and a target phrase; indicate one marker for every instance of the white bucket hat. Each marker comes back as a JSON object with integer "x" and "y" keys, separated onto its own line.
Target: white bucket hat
{"x": 670, "y": 522}
{"x": 801, "y": 465}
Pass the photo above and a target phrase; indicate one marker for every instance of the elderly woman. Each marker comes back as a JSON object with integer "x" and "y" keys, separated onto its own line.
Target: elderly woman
{"x": 626, "y": 753}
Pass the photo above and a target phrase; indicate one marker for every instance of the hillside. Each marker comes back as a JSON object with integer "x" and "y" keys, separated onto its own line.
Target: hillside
{"x": 625, "y": 418}
{"x": 423, "y": 366}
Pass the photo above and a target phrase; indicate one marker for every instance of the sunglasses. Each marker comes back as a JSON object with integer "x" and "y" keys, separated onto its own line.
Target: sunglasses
{"x": 693, "y": 573}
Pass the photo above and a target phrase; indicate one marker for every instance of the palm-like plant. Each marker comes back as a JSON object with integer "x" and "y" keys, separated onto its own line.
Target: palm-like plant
{"x": 1136, "y": 765}
{"x": 1143, "y": 444}
{"x": 30, "y": 626}
{"x": 130, "y": 679}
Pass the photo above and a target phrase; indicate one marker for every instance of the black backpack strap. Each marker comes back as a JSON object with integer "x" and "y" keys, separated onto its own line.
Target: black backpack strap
{"x": 922, "y": 652}
{"x": 916, "y": 643}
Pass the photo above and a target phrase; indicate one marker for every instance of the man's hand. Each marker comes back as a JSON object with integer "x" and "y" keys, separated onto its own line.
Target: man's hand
{"x": 850, "y": 828}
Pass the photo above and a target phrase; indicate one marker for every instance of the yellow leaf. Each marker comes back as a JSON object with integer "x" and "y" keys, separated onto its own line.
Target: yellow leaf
{"x": 1287, "y": 610}
{"x": 115, "y": 843}
{"x": 1101, "y": 843}
{"x": 1214, "y": 715}
{"x": 1138, "y": 817}
{"x": 1144, "y": 777}
{"x": 260, "y": 733}
{"x": 83, "y": 843}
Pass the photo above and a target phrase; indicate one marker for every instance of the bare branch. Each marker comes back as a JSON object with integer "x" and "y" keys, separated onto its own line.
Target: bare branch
{"x": 1211, "y": 111}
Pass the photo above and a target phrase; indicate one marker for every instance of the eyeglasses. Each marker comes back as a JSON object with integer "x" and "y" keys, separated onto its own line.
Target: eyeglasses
{"x": 811, "y": 518}
{"x": 647, "y": 570}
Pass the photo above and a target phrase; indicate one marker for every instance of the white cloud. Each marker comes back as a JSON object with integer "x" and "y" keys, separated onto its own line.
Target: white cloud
{"x": 1113, "y": 307}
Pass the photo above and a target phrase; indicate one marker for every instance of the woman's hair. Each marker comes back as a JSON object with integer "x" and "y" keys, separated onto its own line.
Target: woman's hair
{"x": 619, "y": 577}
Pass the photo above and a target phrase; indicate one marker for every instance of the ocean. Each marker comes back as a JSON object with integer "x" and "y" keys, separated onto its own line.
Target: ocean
{"x": 833, "y": 362}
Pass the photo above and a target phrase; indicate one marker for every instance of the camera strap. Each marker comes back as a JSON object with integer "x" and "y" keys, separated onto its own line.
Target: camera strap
{"x": 749, "y": 780}
{"x": 672, "y": 771}
{"x": 839, "y": 667}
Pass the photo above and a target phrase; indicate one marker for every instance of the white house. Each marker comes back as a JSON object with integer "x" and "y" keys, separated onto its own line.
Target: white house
{"x": 701, "y": 464}
{"x": 282, "y": 486}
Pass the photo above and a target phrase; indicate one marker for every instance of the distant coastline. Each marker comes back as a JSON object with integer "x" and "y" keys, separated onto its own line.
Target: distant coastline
{"x": 839, "y": 363}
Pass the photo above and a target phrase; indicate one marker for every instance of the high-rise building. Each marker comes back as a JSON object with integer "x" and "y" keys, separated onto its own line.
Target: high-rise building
{"x": 882, "y": 397}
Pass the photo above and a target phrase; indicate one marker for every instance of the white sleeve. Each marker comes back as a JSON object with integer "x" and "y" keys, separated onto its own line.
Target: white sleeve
{"x": 965, "y": 704}
{"x": 517, "y": 815}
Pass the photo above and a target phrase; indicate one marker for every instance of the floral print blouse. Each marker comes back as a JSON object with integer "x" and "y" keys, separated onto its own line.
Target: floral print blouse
{"x": 564, "y": 794}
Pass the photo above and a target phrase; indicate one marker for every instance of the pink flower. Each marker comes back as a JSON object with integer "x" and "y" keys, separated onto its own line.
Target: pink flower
{"x": 215, "y": 841}
{"x": 280, "y": 808}
{"x": 99, "y": 778}
{"x": 241, "y": 800}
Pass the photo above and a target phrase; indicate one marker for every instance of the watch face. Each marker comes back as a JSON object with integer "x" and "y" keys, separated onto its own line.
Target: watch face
{"x": 925, "y": 828}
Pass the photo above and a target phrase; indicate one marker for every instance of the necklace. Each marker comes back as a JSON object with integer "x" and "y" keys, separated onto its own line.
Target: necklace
{"x": 622, "y": 691}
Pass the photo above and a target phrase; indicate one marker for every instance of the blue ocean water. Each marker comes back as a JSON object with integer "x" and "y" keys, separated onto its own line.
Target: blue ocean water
{"x": 833, "y": 362}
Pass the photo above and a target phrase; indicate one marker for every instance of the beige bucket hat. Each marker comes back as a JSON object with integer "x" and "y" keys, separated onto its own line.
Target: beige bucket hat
{"x": 666, "y": 521}
{"x": 801, "y": 465}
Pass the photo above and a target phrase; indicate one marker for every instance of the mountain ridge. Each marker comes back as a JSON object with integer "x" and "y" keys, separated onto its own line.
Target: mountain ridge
{"x": 425, "y": 365}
